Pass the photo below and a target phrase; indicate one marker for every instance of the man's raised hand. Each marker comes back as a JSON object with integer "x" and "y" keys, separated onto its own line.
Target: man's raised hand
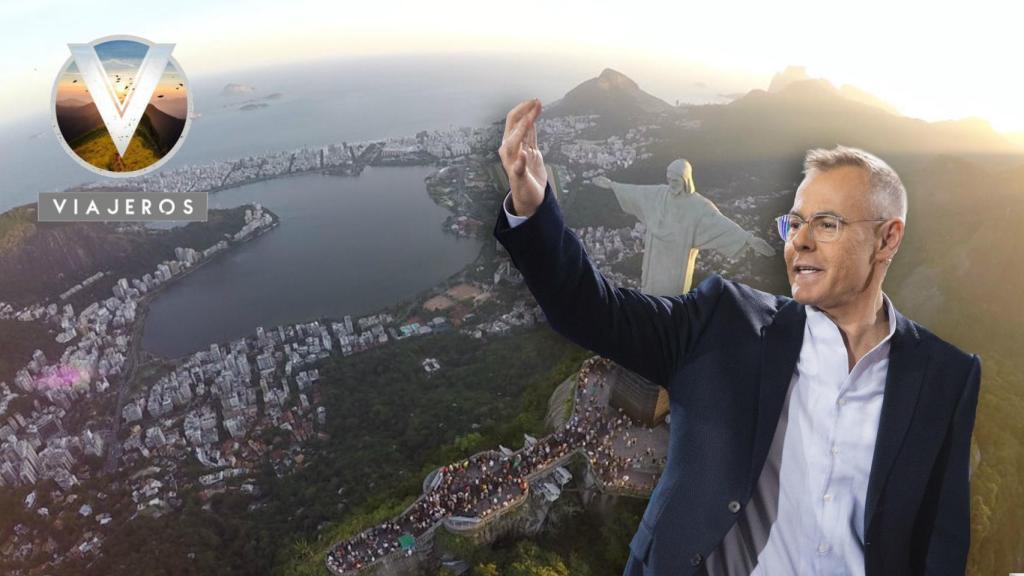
{"x": 522, "y": 159}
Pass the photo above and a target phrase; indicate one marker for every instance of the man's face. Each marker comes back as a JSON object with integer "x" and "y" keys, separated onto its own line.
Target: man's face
{"x": 845, "y": 264}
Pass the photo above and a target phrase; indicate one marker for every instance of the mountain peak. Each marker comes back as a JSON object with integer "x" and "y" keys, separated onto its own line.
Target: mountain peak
{"x": 612, "y": 95}
{"x": 609, "y": 78}
{"x": 795, "y": 82}
{"x": 788, "y": 76}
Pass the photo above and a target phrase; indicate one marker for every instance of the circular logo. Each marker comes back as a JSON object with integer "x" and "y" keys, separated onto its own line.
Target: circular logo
{"x": 121, "y": 105}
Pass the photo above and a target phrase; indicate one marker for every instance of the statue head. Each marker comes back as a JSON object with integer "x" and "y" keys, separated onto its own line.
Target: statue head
{"x": 680, "y": 177}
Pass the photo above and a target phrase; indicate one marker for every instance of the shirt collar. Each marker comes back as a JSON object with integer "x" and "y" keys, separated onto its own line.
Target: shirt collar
{"x": 891, "y": 312}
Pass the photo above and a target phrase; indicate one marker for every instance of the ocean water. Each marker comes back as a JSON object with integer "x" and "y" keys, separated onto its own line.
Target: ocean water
{"x": 341, "y": 100}
{"x": 318, "y": 103}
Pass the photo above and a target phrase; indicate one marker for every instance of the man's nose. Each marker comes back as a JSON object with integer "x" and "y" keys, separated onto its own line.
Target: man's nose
{"x": 803, "y": 239}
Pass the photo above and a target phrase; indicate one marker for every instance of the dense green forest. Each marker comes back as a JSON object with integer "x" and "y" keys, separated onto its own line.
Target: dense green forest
{"x": 576, "y": 541}
{"x": 390, "y": 423}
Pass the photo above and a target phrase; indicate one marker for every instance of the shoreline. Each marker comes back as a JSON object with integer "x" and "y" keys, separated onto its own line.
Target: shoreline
{"x": 136, "y": 356}
{"x": 326, "y": 171}
{"x": 408, "y": 303}
{"x": 399, "y": 305}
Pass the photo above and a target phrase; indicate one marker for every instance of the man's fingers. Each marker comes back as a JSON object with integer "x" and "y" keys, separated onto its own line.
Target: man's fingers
{"x": 531, "y": 136}
{"x": 520, "y": 130}
{"x": 514, "y": 141}
{"x": 510, "y": 148}
{"x": 528, "y": 109}
{"x": 519, "y": 165}
{"x": 513, "y": 116}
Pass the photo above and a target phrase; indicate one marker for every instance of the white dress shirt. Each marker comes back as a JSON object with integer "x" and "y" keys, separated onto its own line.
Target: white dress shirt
{"x": 513, "y": 220}
{"x": 806, "y": 515}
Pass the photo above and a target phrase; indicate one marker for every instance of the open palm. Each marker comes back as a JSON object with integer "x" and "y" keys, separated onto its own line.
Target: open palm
{"x": 522, "y": 159}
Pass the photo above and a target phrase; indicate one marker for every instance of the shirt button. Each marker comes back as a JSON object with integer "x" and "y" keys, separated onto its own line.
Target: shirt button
{"x": 828, "y": 497}
{"x": 835, "y": 450}
{"x": 734, "y": 506}
{"x": 696, "y": 559}
{"x": 842, "y": 401}
{"x": 823, "y": 548}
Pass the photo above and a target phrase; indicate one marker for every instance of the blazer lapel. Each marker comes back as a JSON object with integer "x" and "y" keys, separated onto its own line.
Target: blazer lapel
{"x": 902, "y": 386}
{"x": 781, "y": 341}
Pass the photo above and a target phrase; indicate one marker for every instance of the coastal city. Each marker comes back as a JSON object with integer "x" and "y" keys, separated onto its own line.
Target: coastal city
{"x": 217, "y": 406}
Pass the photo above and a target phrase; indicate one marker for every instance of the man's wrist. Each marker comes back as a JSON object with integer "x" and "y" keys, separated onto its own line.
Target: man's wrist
{"x": 523, "y": 211}
{"x": 509, "y": 206}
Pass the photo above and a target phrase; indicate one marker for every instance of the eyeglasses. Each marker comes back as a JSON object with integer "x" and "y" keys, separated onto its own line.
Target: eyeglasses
{"x": 824, "y": 227}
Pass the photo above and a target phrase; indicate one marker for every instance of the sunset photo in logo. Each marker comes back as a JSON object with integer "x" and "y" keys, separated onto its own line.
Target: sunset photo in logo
{"x": 121, "y": 105}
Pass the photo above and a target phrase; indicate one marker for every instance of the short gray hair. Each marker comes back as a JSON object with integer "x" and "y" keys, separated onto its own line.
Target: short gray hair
{"x": 888, "y": 196}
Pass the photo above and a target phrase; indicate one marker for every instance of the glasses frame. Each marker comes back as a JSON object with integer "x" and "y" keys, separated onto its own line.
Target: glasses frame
{"x": 782, "y": 221}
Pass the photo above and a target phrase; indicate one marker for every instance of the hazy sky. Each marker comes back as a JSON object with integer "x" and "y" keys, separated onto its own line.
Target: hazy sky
{"x": 932, "y": 60}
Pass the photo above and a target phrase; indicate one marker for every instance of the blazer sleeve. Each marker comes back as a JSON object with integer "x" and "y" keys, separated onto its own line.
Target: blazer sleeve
{"x": 950, "y": 486}
{"x": 647, "y": 334}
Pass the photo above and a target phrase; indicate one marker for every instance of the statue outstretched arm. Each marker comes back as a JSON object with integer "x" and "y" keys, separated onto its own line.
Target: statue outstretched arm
{"x": 717, "y": 232}
{"x": 760, "y": 246}
{"x": 632, "y": 197}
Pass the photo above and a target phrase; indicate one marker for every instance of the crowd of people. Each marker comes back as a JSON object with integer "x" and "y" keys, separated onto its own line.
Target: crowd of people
{"x": 365, "y": 547}
{"x": 487, "y": 483}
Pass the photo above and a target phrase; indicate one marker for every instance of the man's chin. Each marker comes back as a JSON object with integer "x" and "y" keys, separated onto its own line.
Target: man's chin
{"x": 803, "y": 295}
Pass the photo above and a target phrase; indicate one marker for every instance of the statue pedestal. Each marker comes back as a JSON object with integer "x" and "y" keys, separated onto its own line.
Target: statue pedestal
{"x": 641, "y": 399}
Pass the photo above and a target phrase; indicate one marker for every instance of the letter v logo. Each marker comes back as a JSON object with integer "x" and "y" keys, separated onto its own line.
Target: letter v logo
{"x": 121, "y": 117}
{"x": 121, "y": 105}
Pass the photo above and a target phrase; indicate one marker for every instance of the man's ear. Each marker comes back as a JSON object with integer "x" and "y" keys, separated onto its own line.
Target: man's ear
{"x": 891, "y": 237}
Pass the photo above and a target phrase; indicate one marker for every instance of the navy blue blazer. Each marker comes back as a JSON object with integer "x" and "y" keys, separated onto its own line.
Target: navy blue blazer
{"x": 726, "y": 353}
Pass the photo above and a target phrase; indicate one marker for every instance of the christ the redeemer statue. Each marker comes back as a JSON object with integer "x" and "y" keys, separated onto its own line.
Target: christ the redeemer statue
{"x": 680, "y": 222}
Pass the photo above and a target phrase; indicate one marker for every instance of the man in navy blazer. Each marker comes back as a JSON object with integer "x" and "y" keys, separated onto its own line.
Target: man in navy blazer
{"x": 820, "y": 434}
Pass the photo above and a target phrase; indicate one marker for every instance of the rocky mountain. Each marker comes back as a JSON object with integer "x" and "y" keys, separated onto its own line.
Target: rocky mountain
{"x": 75, "y": 119}
{"x": 798, "y": 74}
{"x": 613, "y": 95}
{"x": 167, "y": 127}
